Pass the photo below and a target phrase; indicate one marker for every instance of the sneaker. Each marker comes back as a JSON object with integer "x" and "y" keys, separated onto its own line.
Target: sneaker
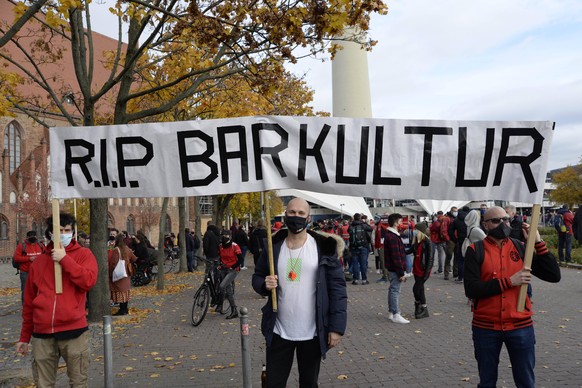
{"x": 407, "y": 274}
{"x": 355, "y": 282}
{"x": 390, "y": 316}
{"x": 458, "y": 280}
{"x": 243, "y": 268}
{"x": 382, "y": 280}
{"x": 365, "y": 282}
{"x": 397, "y": 318}
{"x": 446, "y": 277}
{"x": 378, "y": 271}
{"x": 437, "y": 272}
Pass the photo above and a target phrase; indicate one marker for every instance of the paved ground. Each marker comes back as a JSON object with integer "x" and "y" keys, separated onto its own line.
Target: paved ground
{"x": 164, "y": 350}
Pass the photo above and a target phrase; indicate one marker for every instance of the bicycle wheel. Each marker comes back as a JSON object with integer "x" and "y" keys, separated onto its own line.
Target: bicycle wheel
{"x": 168, "y": 264}
{"x": 200, "y": 306}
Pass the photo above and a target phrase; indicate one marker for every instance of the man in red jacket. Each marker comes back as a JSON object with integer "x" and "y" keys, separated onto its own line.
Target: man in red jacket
{"x": 57, "y": 322}
{"x": 492, "y": 280}
{"x": 24, "y": 255}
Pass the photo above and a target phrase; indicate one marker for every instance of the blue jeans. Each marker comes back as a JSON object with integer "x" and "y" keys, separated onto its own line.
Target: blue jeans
{"x": 409, "y": 259}
{"x": 440, "y": 258}
{"x": 190, "y": 258}
{"x": 243, "y": 249}
{"x": 360, "y": 263}
{"x": 23, "y": 277}
{"x": 565, "y": 241}
{"x": 394, "y": 293}
{"x": 520, "y": 344}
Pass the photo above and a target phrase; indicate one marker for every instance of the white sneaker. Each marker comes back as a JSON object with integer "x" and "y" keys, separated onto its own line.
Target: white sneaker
{"x": 390, "y": 316}
{"x": 399, "y": 319}
{"x": 407, "y": 274}
{"x": 378, "y": 271}
{"x": 243, "y": 268}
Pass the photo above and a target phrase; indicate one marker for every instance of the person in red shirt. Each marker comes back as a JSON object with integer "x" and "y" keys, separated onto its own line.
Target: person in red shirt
{"x": 24, "y": 255}
{"x": 56, "y": 324}
{"x": 493, "y": 283}
{"x": 230, "y": 257}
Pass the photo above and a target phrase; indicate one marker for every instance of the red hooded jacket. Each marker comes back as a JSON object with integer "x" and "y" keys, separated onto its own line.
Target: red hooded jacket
{"x": 45, "y": 311}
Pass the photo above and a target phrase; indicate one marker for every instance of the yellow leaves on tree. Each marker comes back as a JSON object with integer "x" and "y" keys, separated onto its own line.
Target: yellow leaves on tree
{"x": 568, "y": 186}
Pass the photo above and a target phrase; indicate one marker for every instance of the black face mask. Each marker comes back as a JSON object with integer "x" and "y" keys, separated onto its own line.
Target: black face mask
{"x": 500, "y": 232}
{"x": 295, "y": 224}
{"x": 111, "y": 238}
{"x": 225, "y": 240}
{"x": 32, "y": 239}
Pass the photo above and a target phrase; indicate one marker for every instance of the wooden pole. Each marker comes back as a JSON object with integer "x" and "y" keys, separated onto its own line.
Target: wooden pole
{"x": 75, "y": 215}
{"x": 529, "y": 249}
{"x": 57, "y": 245}
{"x": 270, "y": 247}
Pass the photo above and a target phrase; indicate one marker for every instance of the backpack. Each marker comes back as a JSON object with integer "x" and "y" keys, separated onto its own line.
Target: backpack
{"x": 559, "y": 224}
{"x": 358, "y": 237}
{"x": 480, "y": 249}
{"x": 17, "y": 265}
{"x": 196, "y": 242}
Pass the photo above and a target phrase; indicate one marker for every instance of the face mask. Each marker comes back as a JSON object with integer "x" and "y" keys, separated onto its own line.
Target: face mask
{"x": 66, "y": 239}
{"x": 225, "y": 240}
{"x": 455, "y": 214}
{"x": 32, "y": 239}
{"x": 111, "y": 238}
{"x": 500, "y": 232}
{"x": 296, "y": 224}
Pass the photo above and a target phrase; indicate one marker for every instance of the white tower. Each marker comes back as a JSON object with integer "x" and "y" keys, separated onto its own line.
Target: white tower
{"x": 350, "y": 81}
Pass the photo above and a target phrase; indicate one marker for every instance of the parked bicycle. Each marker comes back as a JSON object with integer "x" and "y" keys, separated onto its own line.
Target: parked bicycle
{"x": 171, "y": 261}
{"x": 209, "y": 292}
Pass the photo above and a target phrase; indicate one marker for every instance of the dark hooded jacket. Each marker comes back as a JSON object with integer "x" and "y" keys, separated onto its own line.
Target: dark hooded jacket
{"x": 331, "y": 295}
{"x": 211, "y": 242}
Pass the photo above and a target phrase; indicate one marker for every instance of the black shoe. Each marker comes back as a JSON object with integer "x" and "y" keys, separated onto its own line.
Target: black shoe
{"x": 423, "y": 313}
{"x": 364, "y": 282}
{"x": 121, "y": 312}
{"x": 233, "y": 314}
{"x": 446, "y": 278}
{"x": 218, "y": 308}
{"x": 355, "y": 282}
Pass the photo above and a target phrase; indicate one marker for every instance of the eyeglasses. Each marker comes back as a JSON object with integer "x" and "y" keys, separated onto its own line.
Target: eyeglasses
{"x": 497, "y": 220}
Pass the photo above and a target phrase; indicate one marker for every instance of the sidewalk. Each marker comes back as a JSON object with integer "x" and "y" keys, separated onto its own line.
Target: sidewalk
{"x": 164, "y": 350}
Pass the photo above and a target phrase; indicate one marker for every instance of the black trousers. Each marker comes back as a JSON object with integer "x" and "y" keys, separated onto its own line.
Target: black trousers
{"x": 418, "y": 290}
{"x": 280, "y": 360}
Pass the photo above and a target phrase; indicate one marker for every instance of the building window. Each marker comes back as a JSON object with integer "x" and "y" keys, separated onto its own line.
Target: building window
{"x": 12, "y": 144}
{"x": 206, "y": 205}
{"x": 12, "y": 197}
{"x": 168, "y": 224}
{"x": 130, "y": 227}
{"x": 4, "y": 230}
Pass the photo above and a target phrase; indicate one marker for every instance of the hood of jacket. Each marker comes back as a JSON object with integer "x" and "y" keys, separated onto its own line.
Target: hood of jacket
{"x": 473, "y": 219}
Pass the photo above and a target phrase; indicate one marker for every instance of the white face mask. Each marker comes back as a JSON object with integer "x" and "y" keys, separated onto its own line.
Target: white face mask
{"x": 66, "y": 239}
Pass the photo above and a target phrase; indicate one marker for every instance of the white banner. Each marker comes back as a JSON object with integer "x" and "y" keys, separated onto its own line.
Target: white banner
{"x": 379, "y": 158}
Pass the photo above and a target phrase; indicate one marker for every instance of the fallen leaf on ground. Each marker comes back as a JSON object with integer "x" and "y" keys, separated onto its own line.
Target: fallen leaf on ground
{"x": 342, "y": 377}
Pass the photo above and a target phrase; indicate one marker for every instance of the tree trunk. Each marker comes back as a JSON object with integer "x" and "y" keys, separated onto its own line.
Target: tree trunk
{"x": 99, "y": 295}
{"x": 162, "y": 254}
{"x": 182, "y": 234}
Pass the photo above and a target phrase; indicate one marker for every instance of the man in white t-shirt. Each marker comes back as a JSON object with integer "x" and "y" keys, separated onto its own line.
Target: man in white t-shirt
{"x": 307, "y": 270}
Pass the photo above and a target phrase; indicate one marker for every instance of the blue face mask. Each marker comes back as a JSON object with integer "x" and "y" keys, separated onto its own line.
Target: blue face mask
{"x": 66, "y": 239}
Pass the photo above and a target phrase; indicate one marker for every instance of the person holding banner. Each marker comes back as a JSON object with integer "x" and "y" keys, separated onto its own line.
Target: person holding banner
{"x": 492, "y": 280}
{"x": 307, "y": 269}
{"x": 56, "y": 322}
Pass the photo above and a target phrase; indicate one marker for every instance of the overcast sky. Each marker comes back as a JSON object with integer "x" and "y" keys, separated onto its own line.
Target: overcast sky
{"x": 473, "y": 60}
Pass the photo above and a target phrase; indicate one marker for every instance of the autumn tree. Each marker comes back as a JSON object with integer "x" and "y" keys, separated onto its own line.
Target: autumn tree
{"x": 174, "y": 52}
{"x": 568, "y": 186}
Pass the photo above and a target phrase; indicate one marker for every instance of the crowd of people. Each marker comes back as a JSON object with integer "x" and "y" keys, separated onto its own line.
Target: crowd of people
{"x": 480, "y": 248}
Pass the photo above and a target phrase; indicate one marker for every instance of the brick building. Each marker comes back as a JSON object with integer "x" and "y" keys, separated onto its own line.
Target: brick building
{"x": 25, "y": 164}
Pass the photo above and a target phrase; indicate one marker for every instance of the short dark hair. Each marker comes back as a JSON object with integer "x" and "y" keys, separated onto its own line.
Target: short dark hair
{"x": 393, "y": 218}
{"x": 31, "y": 233}
{"x": 357, "y": 217}
{"x": 64, "y": 219}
